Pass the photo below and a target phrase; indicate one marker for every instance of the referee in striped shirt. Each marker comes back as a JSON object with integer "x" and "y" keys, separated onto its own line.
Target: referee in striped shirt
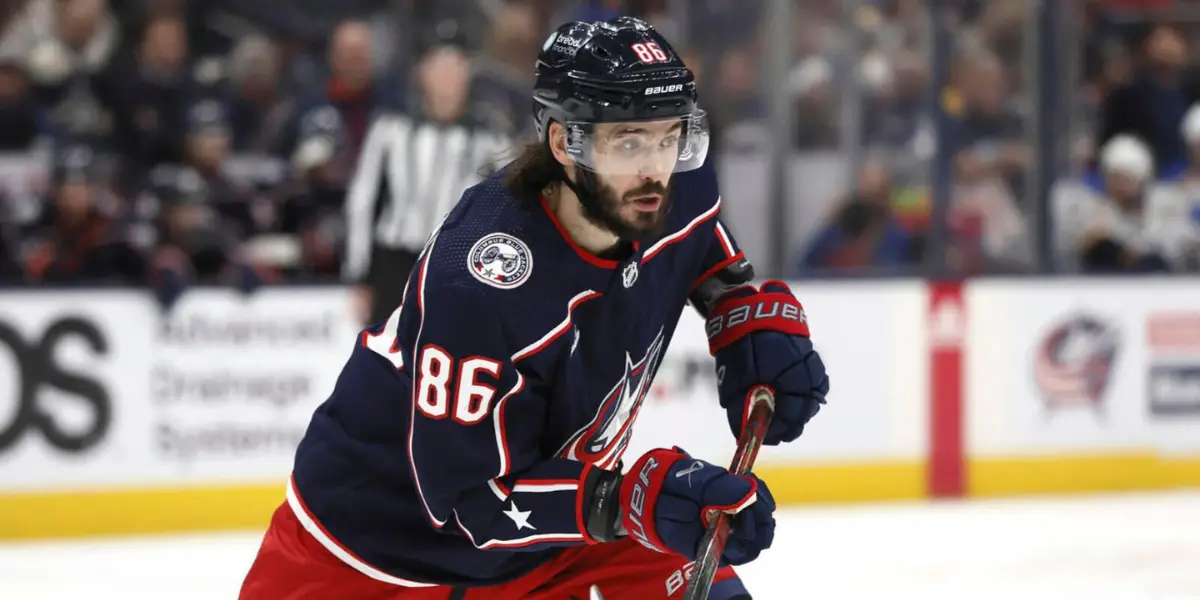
{"x": 412, "y": 169}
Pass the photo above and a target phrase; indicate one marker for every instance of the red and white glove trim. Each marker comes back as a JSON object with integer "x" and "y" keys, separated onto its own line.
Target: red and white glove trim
{"x": 640, "y": 490}
{"x": 738, "y": 316}
{"x": 707, "y": 513}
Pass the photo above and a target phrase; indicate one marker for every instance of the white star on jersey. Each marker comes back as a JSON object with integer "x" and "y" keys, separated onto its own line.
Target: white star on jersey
{"x": 519, "y": 517}
{"x": 575, "y": 342}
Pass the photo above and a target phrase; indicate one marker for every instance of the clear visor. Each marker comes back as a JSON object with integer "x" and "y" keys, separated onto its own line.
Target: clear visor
{"x": 658, "y": 147}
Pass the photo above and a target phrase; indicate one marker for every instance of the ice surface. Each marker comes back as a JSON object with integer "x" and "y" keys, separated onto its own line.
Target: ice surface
{"x": 1127, "y": 547}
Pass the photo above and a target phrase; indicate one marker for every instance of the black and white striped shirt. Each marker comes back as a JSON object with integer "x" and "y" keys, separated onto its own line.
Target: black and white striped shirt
{"x": 410, "y": 173}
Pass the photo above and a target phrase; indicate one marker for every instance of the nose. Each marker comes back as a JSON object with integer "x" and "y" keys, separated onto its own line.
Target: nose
{"x": 656, "y": 165}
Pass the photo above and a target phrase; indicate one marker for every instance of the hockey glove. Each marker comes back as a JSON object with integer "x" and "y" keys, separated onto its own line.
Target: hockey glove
{"x": 760, "y": 337}
{"x": 665, "y": 499}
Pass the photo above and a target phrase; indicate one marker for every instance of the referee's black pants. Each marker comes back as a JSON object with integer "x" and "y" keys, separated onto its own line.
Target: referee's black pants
{"x": 388, "y": 275}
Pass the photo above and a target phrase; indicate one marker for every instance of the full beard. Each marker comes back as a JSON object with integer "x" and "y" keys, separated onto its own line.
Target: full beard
{"x": 602, "y": 208}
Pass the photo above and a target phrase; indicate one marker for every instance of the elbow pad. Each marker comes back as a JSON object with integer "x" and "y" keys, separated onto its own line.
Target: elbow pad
{"x": 709, "y": 292}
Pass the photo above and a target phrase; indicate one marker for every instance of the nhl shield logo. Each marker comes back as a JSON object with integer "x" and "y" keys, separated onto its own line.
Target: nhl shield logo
{"x": 500, "y": 260}
{"x": 629, "y": 275}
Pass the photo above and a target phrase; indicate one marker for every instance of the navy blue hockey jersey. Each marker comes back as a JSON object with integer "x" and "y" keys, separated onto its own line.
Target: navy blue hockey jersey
{"x": 453, "y": 447}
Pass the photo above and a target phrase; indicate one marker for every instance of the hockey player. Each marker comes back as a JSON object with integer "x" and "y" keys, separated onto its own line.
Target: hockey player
{"x": 472, "y": 445}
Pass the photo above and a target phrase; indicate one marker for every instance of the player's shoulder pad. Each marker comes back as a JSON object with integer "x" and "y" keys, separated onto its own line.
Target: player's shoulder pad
{"x": 484, "y": 263}
{"x": 482, "y": 244}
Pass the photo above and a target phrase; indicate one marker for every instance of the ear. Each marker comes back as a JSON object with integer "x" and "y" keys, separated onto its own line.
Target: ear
{"x": 557, "y": 138}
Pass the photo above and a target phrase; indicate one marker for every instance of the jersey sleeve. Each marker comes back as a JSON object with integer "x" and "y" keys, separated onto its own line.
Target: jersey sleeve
{"x": 477, "y": 418}
{"x": 722, "y": 252}
{"x": 723, "y": 267}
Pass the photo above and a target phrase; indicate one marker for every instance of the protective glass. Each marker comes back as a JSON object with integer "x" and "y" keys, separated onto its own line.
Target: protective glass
{"x": 673, "y": 145}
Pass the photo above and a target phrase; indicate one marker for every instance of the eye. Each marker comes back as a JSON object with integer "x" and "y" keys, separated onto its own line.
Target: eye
{"x": 671, "y": 141}
{"x": 629, "y": 145}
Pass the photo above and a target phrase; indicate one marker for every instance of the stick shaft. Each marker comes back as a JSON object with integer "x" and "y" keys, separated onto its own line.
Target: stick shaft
{"x": 712, "y": 545}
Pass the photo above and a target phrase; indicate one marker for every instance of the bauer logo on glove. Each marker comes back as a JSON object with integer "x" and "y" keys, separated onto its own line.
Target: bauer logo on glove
{"x": 667, "y": 496}
{"x": 740, "y": 316}
{"x": 761, "y": 337}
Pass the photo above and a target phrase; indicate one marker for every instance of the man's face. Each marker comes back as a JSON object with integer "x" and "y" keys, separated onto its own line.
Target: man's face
{"x": 350, "y": 55}
{"x": 74, "y": 200}
{"x": 1122, "y": 187}
{"x": 633, "y": 163}
{"x": 1167, "y": 50}
{"x": 986, "y": 86}
{"x": 209, "y": 147}
{"x": 13, "y": 85}
{"x": 164, "y": 46}
{"x": 78, "y": 20}
{"x": 875, "y": 182}
{"x": 445, "y": 77}
{"x": 186, "y": 217}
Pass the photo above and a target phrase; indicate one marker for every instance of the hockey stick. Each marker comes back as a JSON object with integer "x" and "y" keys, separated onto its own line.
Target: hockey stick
{"x": 712, "y": 545}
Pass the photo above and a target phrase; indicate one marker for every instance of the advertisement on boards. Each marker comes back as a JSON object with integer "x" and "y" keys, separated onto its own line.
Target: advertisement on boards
{"x": 221, "y": 388}
{"x": 234, "y": 379}
{"x": 1073, "y": 363}
{"x": 112, "y": 391}
{"x": 1173, "y": 377}
{"x": 1084, "y": 365}
{"x": 70, "y": 398}
{"x": 1051, "y": 368}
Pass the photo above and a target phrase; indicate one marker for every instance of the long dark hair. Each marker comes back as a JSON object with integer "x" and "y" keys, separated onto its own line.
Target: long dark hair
{"x": 533, "y": 172}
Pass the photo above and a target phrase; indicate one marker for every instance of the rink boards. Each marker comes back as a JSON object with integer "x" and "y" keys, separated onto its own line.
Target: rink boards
{"x": 116, "y": 417}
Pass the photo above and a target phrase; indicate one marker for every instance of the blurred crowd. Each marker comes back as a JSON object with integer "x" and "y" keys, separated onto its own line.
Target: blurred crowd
{"x": 179, "y": 142}
{"x": 1124, "y": 193}
{"x": 176, "y": 142}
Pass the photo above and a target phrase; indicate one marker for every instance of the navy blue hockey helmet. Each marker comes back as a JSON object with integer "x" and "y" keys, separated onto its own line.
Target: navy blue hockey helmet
{"x": 617, "y": 71}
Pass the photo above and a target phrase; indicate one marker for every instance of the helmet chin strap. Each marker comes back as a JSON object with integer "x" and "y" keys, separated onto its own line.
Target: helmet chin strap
{"x": 587, "y": 190}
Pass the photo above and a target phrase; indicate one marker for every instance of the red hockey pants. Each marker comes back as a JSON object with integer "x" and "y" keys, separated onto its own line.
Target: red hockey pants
{"x": 292, "y": 565}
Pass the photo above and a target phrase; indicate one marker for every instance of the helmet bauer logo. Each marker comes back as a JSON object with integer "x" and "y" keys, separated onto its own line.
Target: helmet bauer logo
{"x": 500, "y": 260}
{"x": 664, "y": 89}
